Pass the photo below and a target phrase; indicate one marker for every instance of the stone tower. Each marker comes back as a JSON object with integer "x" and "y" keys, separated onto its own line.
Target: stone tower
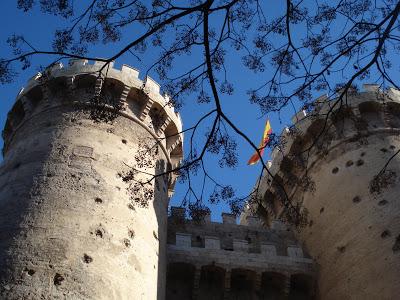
{"x": 68, "y": 226}
{"x": 353, "y": 229}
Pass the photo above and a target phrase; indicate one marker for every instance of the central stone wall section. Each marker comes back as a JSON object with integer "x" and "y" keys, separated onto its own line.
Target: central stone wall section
{"x": 70, "y": 226}
{"x": 210, "y": 260}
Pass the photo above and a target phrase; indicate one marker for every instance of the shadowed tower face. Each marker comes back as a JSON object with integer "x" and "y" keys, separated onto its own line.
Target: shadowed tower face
{"x": 353, "y": 229}
{"x": 69, "y": 227}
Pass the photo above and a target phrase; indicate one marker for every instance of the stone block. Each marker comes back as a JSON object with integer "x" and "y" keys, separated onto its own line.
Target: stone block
{"x": 207, "y": 218}
{"x": 278, "y": 225}
{"x": 212, "y": 242}
{"x": 178, "y": 213}
{"x": 129, "y": 71}
{"x": 253, "y": 221}
{"x": 268, "y": 250}
{"x": 228, "y": 218}
{"x": 299, "y": 116}
{"x": 101, "y": 64}
{"x": 77, "y": 62}
{"x": 183, "y": 240}
{"x": 152, "y": 85}
{"x": 240, "y": 245}
{"x": 294, "y": 251}
{"x": 368, "y": 87}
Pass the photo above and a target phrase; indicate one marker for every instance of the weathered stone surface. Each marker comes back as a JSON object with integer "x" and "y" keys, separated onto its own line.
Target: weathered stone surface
{"x": 68, "y": 229}
{"x": 351, "y": 221}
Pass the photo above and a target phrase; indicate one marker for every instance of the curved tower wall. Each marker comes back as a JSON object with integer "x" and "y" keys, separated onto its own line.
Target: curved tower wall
{"x": 353, "y": 229}
{"x": 68, "y": 227}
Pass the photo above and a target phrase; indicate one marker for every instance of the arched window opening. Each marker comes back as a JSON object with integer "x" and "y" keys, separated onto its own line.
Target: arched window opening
{"x": 7, "y": 130}
{"x": 393, "y": 113}
{"x": 85, "y": 81}
{"x": 243, "y": 285}
{"x": 272, "y": 286}
{"x": 265, "y": 217}
{"x": 269, "y": 205}
{"x": 17, "y": 114}
{"x": 34, "y": 96}
{"x": 279, "y": 196}
{"x": 157, "y": 116}
{"x": 211, "y": 285}
{"x": 15, "y": 117}
{"x": 86, "y": 86}
{"x": 297, "y": 145}
{"x": 343, "y": 120}
{"x": 371, "y": 113}
{"x": 286, "y": 165}
{"x": 58, "y": 86}
{"x": 316, "y": 127}
{"x": 136, "y": 100}
{"x": 301, "y": 287}
{"x": 111, "y": 91}
{"x": 171, "y": 134}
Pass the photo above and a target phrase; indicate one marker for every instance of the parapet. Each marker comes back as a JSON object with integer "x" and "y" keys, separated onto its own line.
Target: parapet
{"x": 229, "y": 245}
{"x": 178, "y": 215}
{"x": 183, "y": 240}
{"x": 230, "y": 235}
{"x": 140, "y": 99}
{"x": 122, "y": 92}
{"x": 345, "y": 117}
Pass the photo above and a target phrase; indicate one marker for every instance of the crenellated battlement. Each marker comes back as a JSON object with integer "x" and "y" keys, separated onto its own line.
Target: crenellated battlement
{"x": 229, "y": 245}
{"x": 371, "y": 99}
{"x": 251, "y": 237}
{"x": 328, "y": 124}
{"x": 265, "y": 252}
{"x": 140, "y": 100}
{"x": 178, "y": 215}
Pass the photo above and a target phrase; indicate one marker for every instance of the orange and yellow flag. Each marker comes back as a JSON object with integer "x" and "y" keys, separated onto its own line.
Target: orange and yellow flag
{"x": 264, "y": 142}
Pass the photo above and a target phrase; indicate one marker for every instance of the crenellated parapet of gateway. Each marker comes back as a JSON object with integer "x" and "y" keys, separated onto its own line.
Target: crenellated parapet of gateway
{"x": 226, "y": 260}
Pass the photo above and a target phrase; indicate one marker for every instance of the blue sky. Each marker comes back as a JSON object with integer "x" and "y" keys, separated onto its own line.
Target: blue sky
{"x": 39, "y": 29}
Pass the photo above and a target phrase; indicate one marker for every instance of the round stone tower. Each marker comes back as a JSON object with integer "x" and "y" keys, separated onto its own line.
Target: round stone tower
{"x": 71, "y": 224}
{"x": 329, "y": 163}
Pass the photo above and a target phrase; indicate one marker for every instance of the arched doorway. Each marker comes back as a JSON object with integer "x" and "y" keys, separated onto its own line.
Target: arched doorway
{"x": 301, "y": 287}
{"x": 243, "y": 285}
{"x": 211, "y": 285}
{"x": 180, "y": 278}
{"x": 272, "y": 286}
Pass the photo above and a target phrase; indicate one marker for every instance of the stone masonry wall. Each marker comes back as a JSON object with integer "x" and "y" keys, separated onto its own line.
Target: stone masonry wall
{"x": 68, "y": 227}
{"x": 353, "y": 229}
{"x": 202, "y": 253}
